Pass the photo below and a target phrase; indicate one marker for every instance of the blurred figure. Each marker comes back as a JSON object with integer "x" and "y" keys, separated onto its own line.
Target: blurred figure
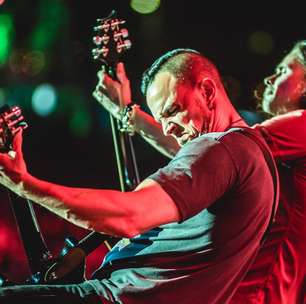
{"x": 285, "y": 90}
{"x": 278, "y": 274}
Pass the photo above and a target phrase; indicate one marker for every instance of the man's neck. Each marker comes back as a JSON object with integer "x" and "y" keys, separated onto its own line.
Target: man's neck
{"x": 224, "y": 119}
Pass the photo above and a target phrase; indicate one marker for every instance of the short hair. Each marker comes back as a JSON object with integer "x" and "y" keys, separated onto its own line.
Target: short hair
{"x": 183, "y": 63}
{"x": 299, "y": 51}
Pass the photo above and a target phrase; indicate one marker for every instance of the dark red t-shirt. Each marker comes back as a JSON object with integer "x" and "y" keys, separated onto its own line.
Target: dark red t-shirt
{"x": 224, "y": 191}
{"x": 278, "y": 274}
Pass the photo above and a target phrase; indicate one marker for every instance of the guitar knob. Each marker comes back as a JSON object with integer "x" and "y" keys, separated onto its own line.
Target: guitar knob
{"x": 103, "y": 27}
{"x": 124, "y": 46}
{"x": 98, "y": 40}
{"x": 127, "y": 44}
{"x": 124, "y": 33}
{"x": 115, "y": 23}
{"x": 98, "y": 52}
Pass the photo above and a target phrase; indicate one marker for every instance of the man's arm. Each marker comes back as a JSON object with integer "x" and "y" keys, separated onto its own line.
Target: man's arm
{"x": 123, "y": 214}
{"x": 114, "y": 95}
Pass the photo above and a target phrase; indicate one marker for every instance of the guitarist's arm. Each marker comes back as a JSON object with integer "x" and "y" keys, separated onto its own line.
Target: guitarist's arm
{"x": 123, "y": 214}
{"x": 113, "y": 95}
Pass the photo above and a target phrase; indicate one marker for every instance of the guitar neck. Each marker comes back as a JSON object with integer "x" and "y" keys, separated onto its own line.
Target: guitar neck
{"x": 92, "y": 240}
{"x": 29, "y": 231}
{"x": 125, "y": 157}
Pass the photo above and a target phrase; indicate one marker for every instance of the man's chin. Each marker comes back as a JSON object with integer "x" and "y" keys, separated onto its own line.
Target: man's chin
{"x": 184, "y": 139}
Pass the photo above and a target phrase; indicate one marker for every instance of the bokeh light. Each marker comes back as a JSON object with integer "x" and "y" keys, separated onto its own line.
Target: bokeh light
{"x": 80, "y": 123}
{"x": 50, "y": 24}
{"x": 261, "y": 43}
{"x": 145, "y": 6}
{"x": 6, "y": 32}
{"x": 44, "y": 100}
{"x": 27, "y": 63}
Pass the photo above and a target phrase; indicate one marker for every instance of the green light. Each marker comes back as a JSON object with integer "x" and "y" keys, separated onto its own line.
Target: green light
{"x": 6, "y": 33}
{"x": 51, "y": 21}
{"x": 80, "y": 123}
{"x": 145, "y": 6}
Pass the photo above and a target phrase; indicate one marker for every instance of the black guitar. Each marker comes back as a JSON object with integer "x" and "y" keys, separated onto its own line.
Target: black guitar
{"x": 11, "y": 121}
{"x": 110, "y": 45}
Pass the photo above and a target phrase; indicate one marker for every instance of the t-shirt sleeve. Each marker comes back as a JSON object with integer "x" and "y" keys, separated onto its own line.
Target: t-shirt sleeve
{"x": 201, "y": 172}
{"x": 288, "y": 135}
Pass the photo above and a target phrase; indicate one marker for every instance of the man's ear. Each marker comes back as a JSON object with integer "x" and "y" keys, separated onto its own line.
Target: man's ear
{"x": 208, "y": 89}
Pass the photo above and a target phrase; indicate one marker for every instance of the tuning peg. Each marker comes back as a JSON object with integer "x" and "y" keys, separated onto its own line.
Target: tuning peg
{"x": 124, "y": 33}
{"x": 112, "y": 14}
{"x": 127, "y": 44}
{"x": 18, "y": 122}
{"x": 100, "y": 51}
{"x": 121, "y": 34}
{"x": 103, "y": 27}
{"x": 14, "y": 111}
{"x": 116, "y": 22}
{"x": 98, "y": 40}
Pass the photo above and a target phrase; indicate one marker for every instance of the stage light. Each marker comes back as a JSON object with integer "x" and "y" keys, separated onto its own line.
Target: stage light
{"x": 51, "y": 21}
{"x": 261, "y": 43}
{"x": 44, "y": 100}
{"x": 6, "y": 33}
{"x": 145, "y": 6}
{"x": 80, "y": 123}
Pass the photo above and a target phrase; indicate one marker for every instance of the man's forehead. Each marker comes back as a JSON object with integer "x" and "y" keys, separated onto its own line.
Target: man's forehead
{"x": 290, "y": 59}
{"x": 162, "y": 83}
{"x": 160, "y": 91}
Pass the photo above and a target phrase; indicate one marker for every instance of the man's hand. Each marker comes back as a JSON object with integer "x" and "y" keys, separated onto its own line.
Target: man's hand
{"x": 12, "y": 165}
{"x": 113, "y": 94}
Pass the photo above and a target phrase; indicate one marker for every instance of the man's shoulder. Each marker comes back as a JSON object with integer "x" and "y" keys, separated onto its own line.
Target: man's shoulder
{"x": 287, "y": 121}
{"x": 230, "y": 133}
{"x": 232, "y": 140}
{"x": 234, "y": 135}
{"x": 287, "y": 134}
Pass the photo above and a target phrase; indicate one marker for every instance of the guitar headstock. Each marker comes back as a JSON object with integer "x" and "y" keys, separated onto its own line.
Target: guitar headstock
{"x": 110, "y": 41}
{"x": 11, "y": 121}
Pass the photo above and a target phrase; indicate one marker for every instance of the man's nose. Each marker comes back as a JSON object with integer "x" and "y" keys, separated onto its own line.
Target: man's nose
{"x": 270, "y": 79}
{"x": 168, "y": 127}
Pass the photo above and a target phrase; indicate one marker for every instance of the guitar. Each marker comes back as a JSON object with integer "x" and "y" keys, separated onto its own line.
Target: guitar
{"x": 111, "y": 44}
{"x": 110, "y": 41}
{"x": 11, "y": 122}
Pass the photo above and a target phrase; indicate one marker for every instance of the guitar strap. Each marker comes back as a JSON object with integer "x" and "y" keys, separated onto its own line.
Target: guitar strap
{"x": 272, "y": 167}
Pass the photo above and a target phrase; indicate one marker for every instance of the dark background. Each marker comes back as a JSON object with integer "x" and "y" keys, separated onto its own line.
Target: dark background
{"x": 73, "y": 145}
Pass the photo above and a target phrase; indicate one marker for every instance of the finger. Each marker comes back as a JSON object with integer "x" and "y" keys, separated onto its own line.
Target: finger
{"x": 108, "y": 81}
{"x": 101, "y": 75}
{"x": 17, "y": 142}
{"x": 121, "y": 74}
